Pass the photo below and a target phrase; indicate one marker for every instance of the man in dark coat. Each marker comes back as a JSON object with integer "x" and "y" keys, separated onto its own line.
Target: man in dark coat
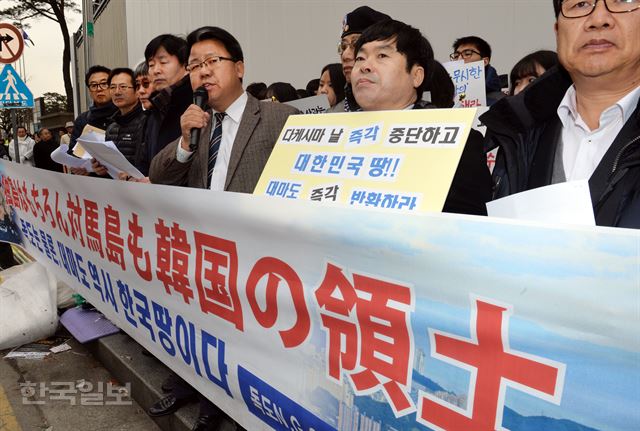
{"x": 166, "y": 57}
{"x": 99, "y": 114}
{"x": 394, "y": 63}
{"x": 580, "y": 121}
{"x": 128, "y": 126}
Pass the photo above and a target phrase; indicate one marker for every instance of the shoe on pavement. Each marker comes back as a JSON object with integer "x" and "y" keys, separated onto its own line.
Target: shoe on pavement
{"x": 207, "y": 423}
{"x": 167, "y": 405}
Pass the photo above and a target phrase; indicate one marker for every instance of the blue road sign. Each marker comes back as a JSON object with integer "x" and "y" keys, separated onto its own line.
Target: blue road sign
{"x": 13, "y": 91}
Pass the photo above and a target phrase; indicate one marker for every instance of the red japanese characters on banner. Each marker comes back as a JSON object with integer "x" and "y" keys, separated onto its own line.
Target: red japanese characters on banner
{"x": 494, "y": 367}
{"x": 278, "y": 271}
{"x": 217, "y": 278}
{"x": 136, "y": 233}
{"x": 172, "y": 263}
{"x": 372, "y": 316}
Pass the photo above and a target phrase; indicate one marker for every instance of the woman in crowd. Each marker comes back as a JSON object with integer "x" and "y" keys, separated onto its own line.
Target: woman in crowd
{"x": 42, "y": 151}
{"x": 281, "y": 92}
{"x": 332, "y": 83}
{"x": 529, "y": 69}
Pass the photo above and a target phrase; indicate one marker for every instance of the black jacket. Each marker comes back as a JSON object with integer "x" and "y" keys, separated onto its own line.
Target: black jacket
{"x": 527, "y": 130}
{"x": 163, "y": 124}
{"x": 42, "y": 155}
{"x": 96, "y": 116}
{"x": 471, "y": 186}
{"x": 127, "y": 132}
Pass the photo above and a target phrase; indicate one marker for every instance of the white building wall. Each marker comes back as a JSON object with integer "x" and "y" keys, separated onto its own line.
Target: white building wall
{"x": 291, "y": 40}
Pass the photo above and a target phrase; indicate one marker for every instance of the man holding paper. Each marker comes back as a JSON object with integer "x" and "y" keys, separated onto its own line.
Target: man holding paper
{"x": 580, "y": 121}
{"x": 393, "y": 64}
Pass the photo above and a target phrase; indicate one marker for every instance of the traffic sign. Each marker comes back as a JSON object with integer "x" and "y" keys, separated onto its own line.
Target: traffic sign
{"x": 13, "y": 91}
{"x": 11, "y": 43}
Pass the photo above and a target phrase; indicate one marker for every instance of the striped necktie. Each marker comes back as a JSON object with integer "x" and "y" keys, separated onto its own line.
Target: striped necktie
{"x": 214, "y": 145}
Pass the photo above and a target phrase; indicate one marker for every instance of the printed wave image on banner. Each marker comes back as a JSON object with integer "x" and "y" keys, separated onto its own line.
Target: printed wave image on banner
{"x": 290, "y": 315}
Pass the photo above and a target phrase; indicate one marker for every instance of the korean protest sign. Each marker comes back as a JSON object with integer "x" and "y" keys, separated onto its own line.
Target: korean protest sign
{"x": 291, "y": 315}
{"x": 468, "y": 79}
{"x": 369, "y": 159}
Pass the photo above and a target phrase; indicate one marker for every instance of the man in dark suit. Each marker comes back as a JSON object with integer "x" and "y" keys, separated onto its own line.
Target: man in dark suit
{"x": 237, "y": 133}
{"x": 393, "y": 65}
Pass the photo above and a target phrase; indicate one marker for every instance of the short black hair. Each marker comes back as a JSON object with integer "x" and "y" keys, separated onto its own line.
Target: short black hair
{"x": 313, "y": 85}
{"x": 282, "y": 92}
{"x": 257, "y": 90}
{"x": 483, "y": 47}
{"x": 118, "y": 71}
{"x": 557, "y": 5}
{"x": 142, "y": 69}
{"x": 338, "y": 81}
{"x": 409, "y": 42}
{"x": 527, "y": 66}
{"x": 174, "y": 45}
{"x": 227, "y": 40}
{"x": 21, "y": 127}
{"x": 95, "y": 69}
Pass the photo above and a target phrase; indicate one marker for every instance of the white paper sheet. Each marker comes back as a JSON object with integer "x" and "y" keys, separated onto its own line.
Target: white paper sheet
{"x": 60, "y": 155}
{"x": 108, "y": 155}
{"x": 568, "y": 203}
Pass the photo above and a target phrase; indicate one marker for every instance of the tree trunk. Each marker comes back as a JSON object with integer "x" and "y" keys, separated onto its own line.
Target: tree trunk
{"x": 58, "y": 10}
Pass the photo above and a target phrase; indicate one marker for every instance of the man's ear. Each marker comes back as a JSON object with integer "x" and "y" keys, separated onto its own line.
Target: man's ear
{"x": 555, "y": 28}
{"x": 417, "y": 75}
{"x": 239, "y": 67}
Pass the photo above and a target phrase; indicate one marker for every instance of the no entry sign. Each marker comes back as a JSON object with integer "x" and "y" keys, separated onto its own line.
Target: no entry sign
{"x": 11, "y": 43}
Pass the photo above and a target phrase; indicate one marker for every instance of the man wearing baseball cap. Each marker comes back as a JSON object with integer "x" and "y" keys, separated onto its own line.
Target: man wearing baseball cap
{"x": 66, "y": 138}
{"x": 353, "y": 24}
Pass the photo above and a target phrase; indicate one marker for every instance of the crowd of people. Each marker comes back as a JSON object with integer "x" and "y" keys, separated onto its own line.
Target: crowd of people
{"x": 566, "y": 116}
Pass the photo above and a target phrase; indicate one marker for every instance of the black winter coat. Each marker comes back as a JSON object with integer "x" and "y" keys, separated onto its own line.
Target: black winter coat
{"x": 96, "y": 116}
{"x": 128, "y": 132}
{"x": 527, "y": 130}
{"x": 163, "y": 124}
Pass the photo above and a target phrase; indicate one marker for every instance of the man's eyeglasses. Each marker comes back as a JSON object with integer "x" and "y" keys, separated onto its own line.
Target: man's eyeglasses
{"x": 209, "y": 62}
{"x": 100, "y": 85}
{"x": 120, "y": 87}
{"x": 581, "y": 8}
{"x": 465, "y": 53}
{"x": 343, "y": 46}
{"x": 144, "y": 84}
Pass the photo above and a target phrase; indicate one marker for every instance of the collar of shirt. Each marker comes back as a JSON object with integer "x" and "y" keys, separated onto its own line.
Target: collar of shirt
{"x": 235, "y": 110}
{"x": 568, "y": 109}
{"x": 583, "y": 148}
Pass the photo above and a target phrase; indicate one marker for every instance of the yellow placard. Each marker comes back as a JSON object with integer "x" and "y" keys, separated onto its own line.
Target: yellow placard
{"x": 391, "y": 160}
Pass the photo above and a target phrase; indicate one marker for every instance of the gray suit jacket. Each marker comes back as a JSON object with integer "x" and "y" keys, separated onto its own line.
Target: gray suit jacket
{"x": 258, "y": 132}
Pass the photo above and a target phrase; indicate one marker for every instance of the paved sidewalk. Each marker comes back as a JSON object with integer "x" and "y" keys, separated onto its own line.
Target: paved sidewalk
{"x": 66, "y": 391}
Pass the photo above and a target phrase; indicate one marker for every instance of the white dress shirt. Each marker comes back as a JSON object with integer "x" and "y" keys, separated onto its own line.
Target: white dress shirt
{"x": 230, "y": 126}
{"x": 583, "y": 148}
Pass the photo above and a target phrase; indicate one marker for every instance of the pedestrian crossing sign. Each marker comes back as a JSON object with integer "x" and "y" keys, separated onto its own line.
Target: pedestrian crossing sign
{"x": 13, "y": 91}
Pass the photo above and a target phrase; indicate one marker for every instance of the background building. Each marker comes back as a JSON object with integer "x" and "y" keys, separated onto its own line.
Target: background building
{"x": 287, "y": 40}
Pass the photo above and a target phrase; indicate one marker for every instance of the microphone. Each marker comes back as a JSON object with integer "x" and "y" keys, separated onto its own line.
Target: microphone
{"x": 200, "y": 97}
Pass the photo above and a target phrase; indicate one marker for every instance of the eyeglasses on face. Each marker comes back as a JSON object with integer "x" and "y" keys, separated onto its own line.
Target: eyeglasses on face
{"x": 144, "y": 83}
{"x": 210, "y": 62}
{"x": 581, "y": 8}
{"x": 344, "y": 45}
{"x": 465, "y": 53}
{"x": 120, "y": 87}
{"x": 98, "y": 85}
